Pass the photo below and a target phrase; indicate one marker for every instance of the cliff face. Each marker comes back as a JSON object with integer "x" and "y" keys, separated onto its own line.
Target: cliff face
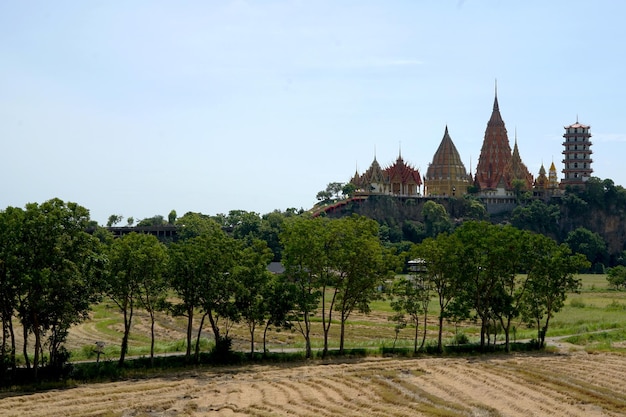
{"x": 568, "y": 214}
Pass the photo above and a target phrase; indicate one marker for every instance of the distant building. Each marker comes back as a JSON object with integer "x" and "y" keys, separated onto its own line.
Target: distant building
{"x": 501, "y": 177}
{"x": 399, "y": 179}
{"x": 576, "y": 155}
{"x": 446, "y": 174}
{"x": 500, "y": 171}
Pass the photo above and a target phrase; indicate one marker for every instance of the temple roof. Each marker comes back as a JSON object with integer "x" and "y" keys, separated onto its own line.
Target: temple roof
{"x": 495, "y": 154}
{"x": 577, "y": 125}
{"x": 446, "y": 161}
{"x": 405, "y": 173}
{"x": 518, "y": 170}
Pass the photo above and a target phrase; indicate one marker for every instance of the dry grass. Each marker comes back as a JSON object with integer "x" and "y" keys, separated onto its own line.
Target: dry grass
{"x": 563, "y": 384}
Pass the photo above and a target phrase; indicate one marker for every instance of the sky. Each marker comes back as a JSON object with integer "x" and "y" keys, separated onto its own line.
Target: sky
{"x": 137, "y": 108}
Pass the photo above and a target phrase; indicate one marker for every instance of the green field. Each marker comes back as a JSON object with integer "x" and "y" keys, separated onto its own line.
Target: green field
{"x": 594, "y": 319}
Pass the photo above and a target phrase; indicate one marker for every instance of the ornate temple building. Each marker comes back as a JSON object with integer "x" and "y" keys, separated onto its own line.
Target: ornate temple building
{"x": 501, "y": 175}
{"x": 446, "y": 174}
{"x": 576, "y": 155}
{"x": 500, "y": 170}
{"x": 546, "y": 185}
{"x": 399, "y": 179}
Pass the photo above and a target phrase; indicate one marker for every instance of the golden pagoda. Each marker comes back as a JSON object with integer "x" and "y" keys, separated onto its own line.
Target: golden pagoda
{"x": 446, "y": 174}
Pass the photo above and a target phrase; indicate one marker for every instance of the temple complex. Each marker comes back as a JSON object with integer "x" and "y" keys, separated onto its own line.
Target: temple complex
{"x": 446, "y": 174}
{"x": 501, "y": 176}
{"x": 399, "y": 179}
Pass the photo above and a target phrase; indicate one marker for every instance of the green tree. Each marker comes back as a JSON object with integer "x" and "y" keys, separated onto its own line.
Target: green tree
{"x": 436, "y": 218}
{"x": 114, "y": 219}
{"x": 348, "y": 190}
{"x": 441, "y": 262}
{"x": 411, "y": 296}
{"x": 186, "y": 276}
{"x": 588, "y": 243}
{"x": 551, "y": 278}
{"x": 218, "y": 287}
{"x": 132, "y": 264}
{"x": 153, "y": 284}
{"x": 518, "y": 252}
{"x": 11, "y": 267}
{"x": 252, "y": 278}
{"x": 358, "y": 265}
{"x": 537, "y": 217}
{"x": 483, "y": 260}
{"x": 616, "y": 277}
{"x": 196, "y": 224}
{"x": 304, "y": 258}
{"x": 61, "y": 275}
{"x": 156, "y": 220}
{"x": 171, "y": 218}
{"x": 272, "y": 225}
{"x": 280, "y": 297}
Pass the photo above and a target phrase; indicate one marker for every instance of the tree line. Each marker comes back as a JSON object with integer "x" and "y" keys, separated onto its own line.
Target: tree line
{"x": 52, "y": 271}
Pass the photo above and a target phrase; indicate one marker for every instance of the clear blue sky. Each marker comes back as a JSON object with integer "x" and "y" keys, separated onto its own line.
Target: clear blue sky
{"x": 140, "y": 107}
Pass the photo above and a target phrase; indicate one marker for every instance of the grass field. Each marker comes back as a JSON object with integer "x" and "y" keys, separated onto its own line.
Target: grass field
{"x": 595, "y": 309}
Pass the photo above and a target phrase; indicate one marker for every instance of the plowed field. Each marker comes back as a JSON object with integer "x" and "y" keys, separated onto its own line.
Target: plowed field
{"x": 570, "y": 384}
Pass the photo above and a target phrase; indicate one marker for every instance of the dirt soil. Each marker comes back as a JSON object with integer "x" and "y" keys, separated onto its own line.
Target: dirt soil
{"x": 555, "y": 384}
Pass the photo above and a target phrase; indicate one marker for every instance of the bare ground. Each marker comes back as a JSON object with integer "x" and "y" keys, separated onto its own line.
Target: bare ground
{"x": 559, "y": 384}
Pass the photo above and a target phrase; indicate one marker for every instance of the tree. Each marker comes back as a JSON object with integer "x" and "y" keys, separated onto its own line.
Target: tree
{"x": 588, "y": 243}
{"x": 537, "y": 217}
{"x": 252, "y": 277}
{"x": 616, "y": 277}
{"x": 114, "y": 219}
{"x": 153, "y": 284}
{"x": 436, "y": 218}
{"x": 280, "y": 297}
{"x": 11, "y": 267}
{"x": 195, "y": 224}
{"x": 186, "y": 277}
{"x": 411, "y": 296}
{"x": 303, "y": 258}
{"x": 551, "y": 278}
{"x": 137, "y": 262}
{"x": 519, "y": 251}
{"x": 156, "y": 220}
{"x": 323, "y": 195}
{"x": 218, "y": 287}
{"x": 61, "y": 274}
{"x": 441, "y": 262}
{"x": 201, "y": 275}
{"x": 272, "y": 225}
{"x": 171, "y": 218}
{"x": 483, "y": 260}
{"x": 348, "y": 190}
{"x": 358, "y": 265}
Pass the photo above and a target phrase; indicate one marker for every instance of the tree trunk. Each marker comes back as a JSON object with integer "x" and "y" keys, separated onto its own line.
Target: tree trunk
{"x": 189, "y": 333}
{"x": 342, "y": 333}
{"x": 307, "y": 335}
{"x": 37, "y": 347}
{"x": 152, "y": 338}
{"x": 440, "y": 335}
{"x": 265, "y": 338}
{"x": 197, "y": 354}
{"x": 252, "y": 327}
{"x": 324, "y": 327}
{"x": 416, "y": 336}
{"x": 128, "y": 318}
{"x": 424, "y": 333}
{"x": 25, "y": 347}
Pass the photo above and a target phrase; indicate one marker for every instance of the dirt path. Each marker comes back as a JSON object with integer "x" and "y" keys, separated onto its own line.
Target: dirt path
{"x": 575, "y": 384}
